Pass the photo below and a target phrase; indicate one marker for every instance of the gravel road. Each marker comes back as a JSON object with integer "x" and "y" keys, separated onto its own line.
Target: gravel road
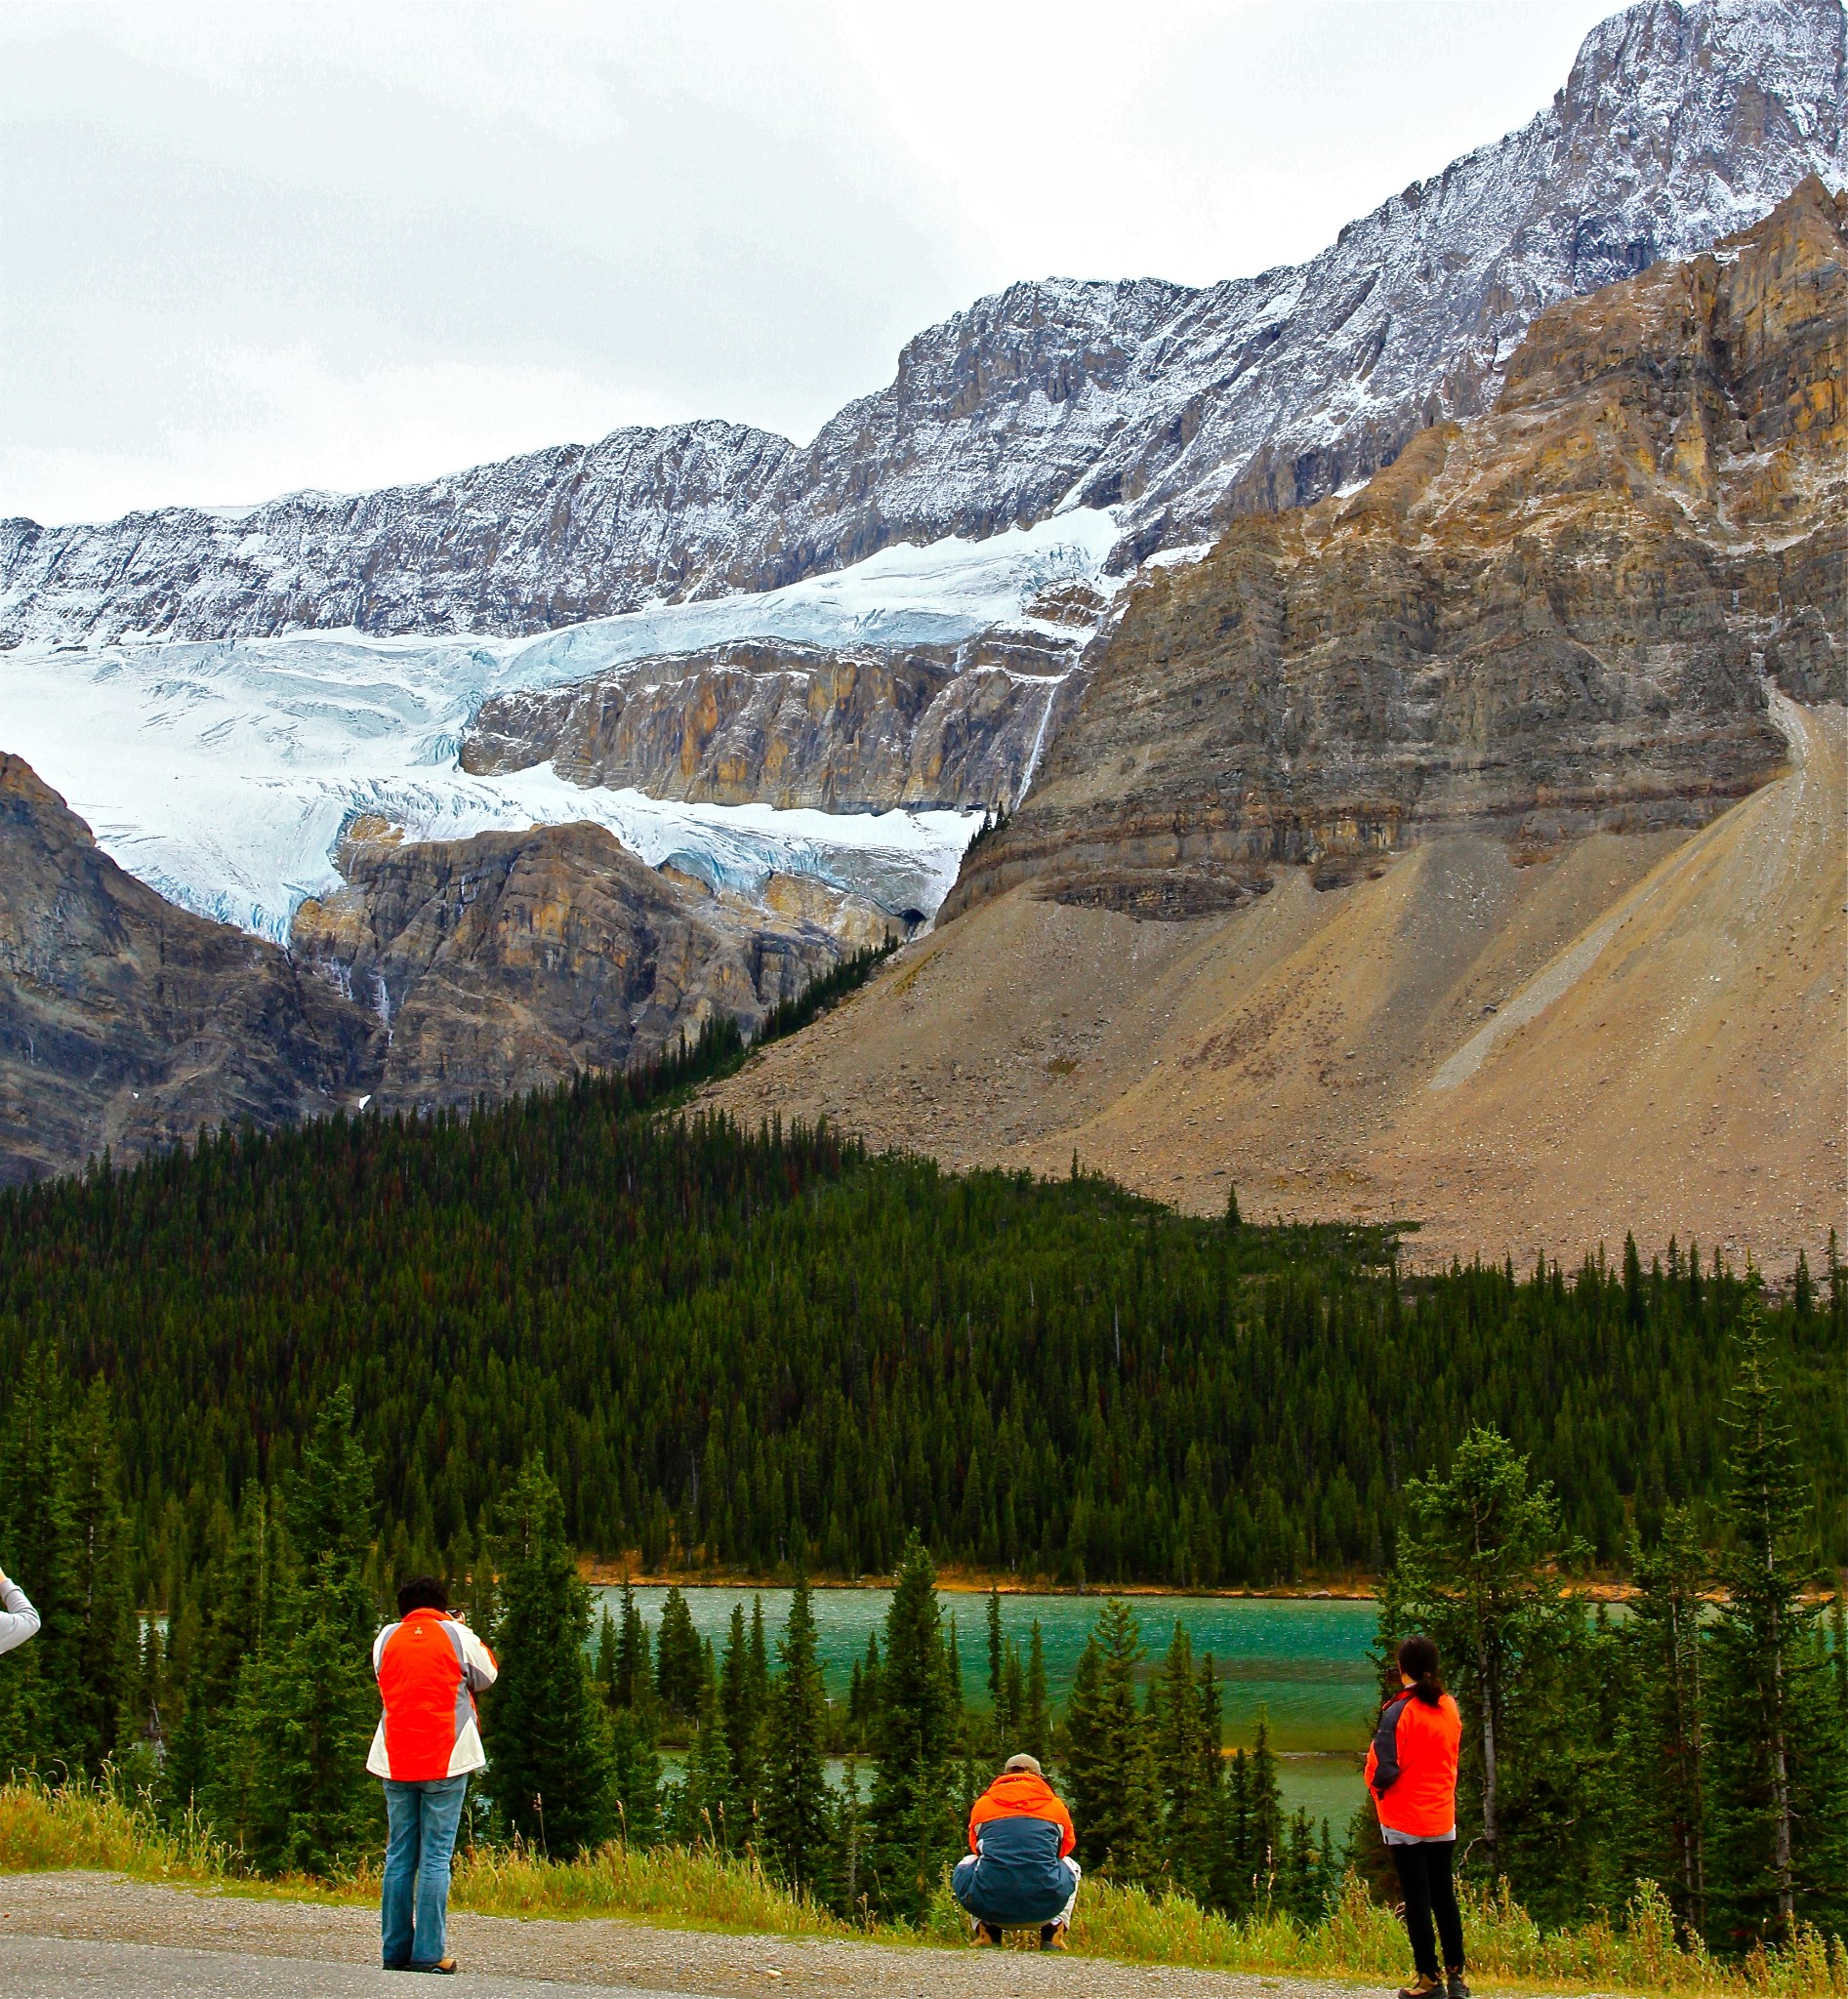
{"x": 74, "y": 1935}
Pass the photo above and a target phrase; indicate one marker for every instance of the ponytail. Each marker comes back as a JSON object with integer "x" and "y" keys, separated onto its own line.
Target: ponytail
{"x": 1418, "y": 1663}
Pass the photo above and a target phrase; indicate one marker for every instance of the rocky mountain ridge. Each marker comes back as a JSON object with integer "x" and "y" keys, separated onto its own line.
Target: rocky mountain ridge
{"x": 1555, "y": 619}
{"x": 444, "y": 971}
{"x": 1182, "y": 407}
{"x": 847, "y": 729}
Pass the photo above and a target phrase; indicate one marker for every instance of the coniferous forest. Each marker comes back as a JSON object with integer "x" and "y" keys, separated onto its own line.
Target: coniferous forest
{"x": 249, "y": 1387}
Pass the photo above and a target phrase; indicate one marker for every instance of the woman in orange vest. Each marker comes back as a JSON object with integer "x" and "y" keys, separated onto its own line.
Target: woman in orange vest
{"x": 1412, "y": 1774}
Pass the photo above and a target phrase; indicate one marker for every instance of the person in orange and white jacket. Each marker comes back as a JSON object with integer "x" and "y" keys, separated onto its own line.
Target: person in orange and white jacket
{"x": 1412, "y": 1774}
{"x": 429, "y": 1667}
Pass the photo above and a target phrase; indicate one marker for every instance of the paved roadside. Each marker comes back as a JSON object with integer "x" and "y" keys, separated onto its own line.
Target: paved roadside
{"x": 73, "y": 1967}
{"x": 74, "y": 1936}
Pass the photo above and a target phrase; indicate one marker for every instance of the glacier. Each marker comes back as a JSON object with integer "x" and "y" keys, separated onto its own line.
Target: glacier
{"x": 223, "y": 772}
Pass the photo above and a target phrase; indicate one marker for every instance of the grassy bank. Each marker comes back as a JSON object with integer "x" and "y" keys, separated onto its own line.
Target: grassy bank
{"x": 41, "y": 1830}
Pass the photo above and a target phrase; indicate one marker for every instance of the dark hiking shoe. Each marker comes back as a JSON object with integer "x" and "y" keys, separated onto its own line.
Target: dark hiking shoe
{"x": 1051, "y": 1935}
{"x": 1453, "y": 1986}
{"x": 1422, "y": 1987}
{"x": 988, "y": 1933}
{"x": 443, "y": 1966}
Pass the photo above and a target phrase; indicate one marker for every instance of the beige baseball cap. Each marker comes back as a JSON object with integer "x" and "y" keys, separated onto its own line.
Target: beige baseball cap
{"x": 1031, "y": 1763}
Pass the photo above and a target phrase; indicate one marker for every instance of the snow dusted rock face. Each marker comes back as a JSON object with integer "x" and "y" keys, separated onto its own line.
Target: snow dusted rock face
{"x": 846, "y": 730}
{"x": 531, "y": 542}
{"x": 1556, "y": 619}
{"x": 510, "y": 961}
{"x": 1184, "y": 408}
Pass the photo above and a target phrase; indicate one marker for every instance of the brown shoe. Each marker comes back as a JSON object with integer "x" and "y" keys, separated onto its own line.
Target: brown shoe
{"x": 988, "y": 1933}
{"x": 1051, "y": 1935}
{"x": 1422, "y": 1987}
{"x": 444, "y": 1966}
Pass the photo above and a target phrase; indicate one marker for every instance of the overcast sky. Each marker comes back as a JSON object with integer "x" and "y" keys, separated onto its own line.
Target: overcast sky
{"x": 246, "y": 249}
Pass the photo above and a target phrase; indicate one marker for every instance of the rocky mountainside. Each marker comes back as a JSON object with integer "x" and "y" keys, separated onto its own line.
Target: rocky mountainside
{"x": 127, "y": 1023}
{"x": 855, "y": 729}
{"x": 1183, "y": 407}
{"x": 514, "y": 960}
{"x": 441, "y": 973}
{"x": 1555, "y": 619}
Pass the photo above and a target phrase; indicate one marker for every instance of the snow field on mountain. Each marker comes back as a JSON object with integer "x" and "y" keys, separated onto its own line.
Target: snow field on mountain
{"x": 222, "y": 774}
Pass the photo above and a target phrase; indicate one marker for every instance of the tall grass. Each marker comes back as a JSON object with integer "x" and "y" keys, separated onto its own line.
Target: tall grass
{"x": 1640, "y": 1952}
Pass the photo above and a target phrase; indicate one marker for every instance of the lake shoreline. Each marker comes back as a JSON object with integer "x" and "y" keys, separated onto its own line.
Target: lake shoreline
{"x": 612, "y": 1575}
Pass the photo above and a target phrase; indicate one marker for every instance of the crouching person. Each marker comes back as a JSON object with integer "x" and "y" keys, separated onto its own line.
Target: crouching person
{"x": 1019, "y": 1874}
{"x": 430, "y": 1666}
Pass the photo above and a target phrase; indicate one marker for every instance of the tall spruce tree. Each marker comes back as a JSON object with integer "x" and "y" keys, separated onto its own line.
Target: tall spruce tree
{"x": 1469, "y": 1575}
{"x": 741, "y": 1727}
{"x": 1661, "y": 1728}
{"x": 1777, "y": 1753}
{"x": 549, "y": 1770}
{"x": 93, "y": 1649}
{"x": 1107, "y": 1763}
{"x": 679, "y": 1663}
{"x": 634, "y": 1777}
{"x": 1183, "y": 1715}
{"x": 307, "y": 1701}
{"x": 909, "y": 1823}
{"x": 632, "y": 1685}
{"x": 796, "y": 1816}
{"x": 1249, "y": 1851}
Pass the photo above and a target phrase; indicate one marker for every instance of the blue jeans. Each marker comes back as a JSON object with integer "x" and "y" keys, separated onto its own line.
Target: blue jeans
{"x": 423, "y": 1819}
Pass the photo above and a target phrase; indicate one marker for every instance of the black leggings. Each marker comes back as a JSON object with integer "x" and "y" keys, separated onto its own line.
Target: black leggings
{"x": 1424, "y": 1875}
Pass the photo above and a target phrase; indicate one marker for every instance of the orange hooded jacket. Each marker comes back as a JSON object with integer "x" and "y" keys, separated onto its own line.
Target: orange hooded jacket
{"x": 1019, "y": 1794}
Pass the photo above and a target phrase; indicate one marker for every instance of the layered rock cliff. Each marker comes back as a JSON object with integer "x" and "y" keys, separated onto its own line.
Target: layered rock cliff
{"x": 1553, "y": 619}
{"x": 126, "y": 1023}
{"x": 1184, "y": 407}
{"x": 441, "y": 974}
{"x": 514, "y": 960}
{"x": 856, "y": 730}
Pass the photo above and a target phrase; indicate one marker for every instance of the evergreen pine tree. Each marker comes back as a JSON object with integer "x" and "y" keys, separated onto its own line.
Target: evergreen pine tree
{"x": 1299, "y": 1876}
{"x": 699, "y": 1815}
{"x": 910, "y": 1828}
{"x": 1777, "y": 1754}
{"x": 549, "y": 1770}
{"x": 1232, "y": 1884}
{"x": 604, "y": 1654}
{"x": 1107, "y": 1761}
{"x": 1183, "y": 1718}
{"x": 635, "y": 1776}
{"x": 680, "y": 1665}
{"x": 92, "y": 1650}
{"x": 1266, "y": 1798}
{"x": 741, "y": 1727}
{"x": 1663, "y": 1726}
{"x": 308, "y": 1701}
{"x": 632, "y": 1687}
{"x": 796, "y": 1817}
{"x": 1469, "y": 1576}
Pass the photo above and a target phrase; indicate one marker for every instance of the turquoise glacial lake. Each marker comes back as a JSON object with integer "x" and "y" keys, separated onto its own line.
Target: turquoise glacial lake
{"x": 1302, "y": 1663}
